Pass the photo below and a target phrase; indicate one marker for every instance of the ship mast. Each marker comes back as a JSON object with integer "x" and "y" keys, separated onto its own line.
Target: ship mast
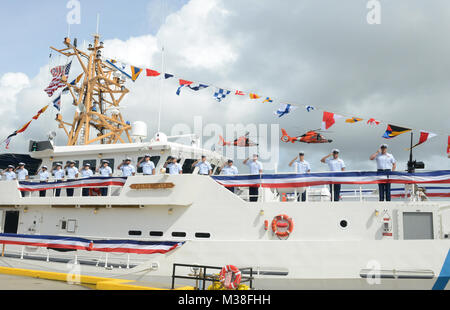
{"x": 97, "y": 99}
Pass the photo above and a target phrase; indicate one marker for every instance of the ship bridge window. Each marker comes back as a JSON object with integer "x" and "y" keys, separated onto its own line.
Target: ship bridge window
{"x": 187, "y": 165}
{"x": 92, "y": 162}
{"x": 154, "y": 159}
{"x": 111, "y": 163}
{"x": 77, "y": 163}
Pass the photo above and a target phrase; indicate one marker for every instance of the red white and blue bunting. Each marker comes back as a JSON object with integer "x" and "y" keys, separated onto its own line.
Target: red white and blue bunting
{"x": 312, "y": 179}
{"x": 28, "y": 186}
{"x": 75, "y": 243}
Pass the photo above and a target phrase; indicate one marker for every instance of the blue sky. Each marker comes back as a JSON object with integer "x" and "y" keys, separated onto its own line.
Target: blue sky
{"x": 30, "y": 27}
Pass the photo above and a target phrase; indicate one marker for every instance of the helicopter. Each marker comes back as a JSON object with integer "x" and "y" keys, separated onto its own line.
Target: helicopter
{"x": 243, "y": 141}
{"x": 312, "y": 136}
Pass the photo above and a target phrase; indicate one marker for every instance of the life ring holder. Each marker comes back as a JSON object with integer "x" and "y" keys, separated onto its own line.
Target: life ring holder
{"x": 236, "y": 277}
{"x": 282, "y": 220}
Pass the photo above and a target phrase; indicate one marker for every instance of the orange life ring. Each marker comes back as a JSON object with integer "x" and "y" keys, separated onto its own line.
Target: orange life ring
{"x": 282, "y": 220}
{"x": 230, "y": 276}
{"x": 266, "y": 225}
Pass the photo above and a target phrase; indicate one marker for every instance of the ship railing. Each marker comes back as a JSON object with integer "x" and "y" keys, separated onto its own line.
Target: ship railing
{"x": 290, "y": 186}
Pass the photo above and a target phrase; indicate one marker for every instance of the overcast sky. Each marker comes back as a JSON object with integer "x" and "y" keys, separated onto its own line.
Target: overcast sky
{"x": 320, "y": 53}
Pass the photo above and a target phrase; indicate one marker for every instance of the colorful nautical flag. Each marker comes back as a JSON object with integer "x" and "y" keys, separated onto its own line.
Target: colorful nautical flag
{"x": 448, "y": 145}
{"x": 135, "y": 71}
{"x": 151, "y": 72}
{"x": 373, "y": 121}
{"x": 24, "y": 127}
{"x": 268, "y": 99}
{"x": 284, "y": 109}
{"x": 131, "y": 72}
{"x": 57, "y": 73}
{"x": 73, "y": 83}
{"x": 221, "y": 94}
{"x": 198, "y": 87}
{"x": 329, "y": 119}
{"x": 57, "y": 102}
{"x": 424, "y": 136}
{"x": 40, "y": 112}
{"x": 353, "y": 120}
{"x": 239, "y": 93}
{"x": 393, "y": 131}
{"x": 254, "y": 96}
{"x": 309, "y": 108}
{"x": 167, "y": 76}
{"x": 182, "y": 84}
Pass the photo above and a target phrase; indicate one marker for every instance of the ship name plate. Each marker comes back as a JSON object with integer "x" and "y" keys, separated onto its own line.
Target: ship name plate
{"x": 152, "y": 185}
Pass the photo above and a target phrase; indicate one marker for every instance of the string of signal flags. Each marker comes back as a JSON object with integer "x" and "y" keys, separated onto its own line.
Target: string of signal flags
{"x": 221, "y": 93}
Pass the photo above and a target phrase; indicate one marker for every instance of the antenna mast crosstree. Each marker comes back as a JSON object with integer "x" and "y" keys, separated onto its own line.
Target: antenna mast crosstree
{"x": 97, "y": 117}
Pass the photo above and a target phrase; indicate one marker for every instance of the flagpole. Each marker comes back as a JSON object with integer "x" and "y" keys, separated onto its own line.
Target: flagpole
{"x": 161, "y": 88}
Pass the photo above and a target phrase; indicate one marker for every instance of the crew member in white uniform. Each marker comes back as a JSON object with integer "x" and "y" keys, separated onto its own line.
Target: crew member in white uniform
{"x": 86, "y": 172}
{"x": 72, "y": 174}
{"x": 43, "y": 178}
{"x": 173, "y": 166}
{"x": 105, "y": 171}
{"x": 148, "y": 167}
{"x": 385, "y": 163}
{"x": 229, "y": 169}
{"x": 9, "y": 173}
{"x": 256, "y": 167}
{"x": 127, "y": 168}
{"x": 58, "y": 175}
{"x": 22, "y": 174}
{"x": 301, "y": 167}
{"x": 204, "y": 167}
{"x": 335, "y": 164}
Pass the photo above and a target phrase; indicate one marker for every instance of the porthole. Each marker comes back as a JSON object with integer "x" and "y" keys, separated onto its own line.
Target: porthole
{"x": 178, "y": 234}
{"x": 202, "y": 235}
{"x": 343, "y": 224}
{"x": 156, "y": 233}
{"x": 134, "y": 232}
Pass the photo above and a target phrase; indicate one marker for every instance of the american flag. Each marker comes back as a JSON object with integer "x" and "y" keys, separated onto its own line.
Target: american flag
{"x": 57, "y": 73}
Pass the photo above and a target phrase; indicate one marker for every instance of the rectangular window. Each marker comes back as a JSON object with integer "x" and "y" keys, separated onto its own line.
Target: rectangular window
{"x": 111, "y": 163}
{"x": 156, "y": 233}
{"x": 154, "y": 159}
{"x": 134, "y": 232}
{"x": 63, "y": 225}
{"x": 417, "y": 225}
{"x": 178, "y": 234}
{"x": 92, "y": 162}
{"x": 187, "y": 166}
{"x": 202, "y": 235}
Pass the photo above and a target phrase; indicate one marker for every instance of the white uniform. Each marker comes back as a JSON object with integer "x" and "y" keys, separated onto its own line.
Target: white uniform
{"x": 227, "y": 170}
{"x": 10, "y": 175}
{"x": 302, "y": 167}
{"x": 105, "y": 171}
{"x": 147, "y": 167}
{"x": 174, "y": 168}
{"x": 255, "y": 166}
{"x": 127, "y": 170}
{"x": 71, "y": 172}
{"x": 58, "y": 174}
{"x": 21, "y": 174}
{"x": 203, "y": 167}
{"x": 43, "y": 175}
{"x": 86, "y": 173}
{"x": 385, "y": 161}
{"x": 335, "y": 164}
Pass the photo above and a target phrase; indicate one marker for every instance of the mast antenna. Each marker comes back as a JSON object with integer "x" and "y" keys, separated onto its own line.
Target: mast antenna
{"x": 97, "y": 117}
